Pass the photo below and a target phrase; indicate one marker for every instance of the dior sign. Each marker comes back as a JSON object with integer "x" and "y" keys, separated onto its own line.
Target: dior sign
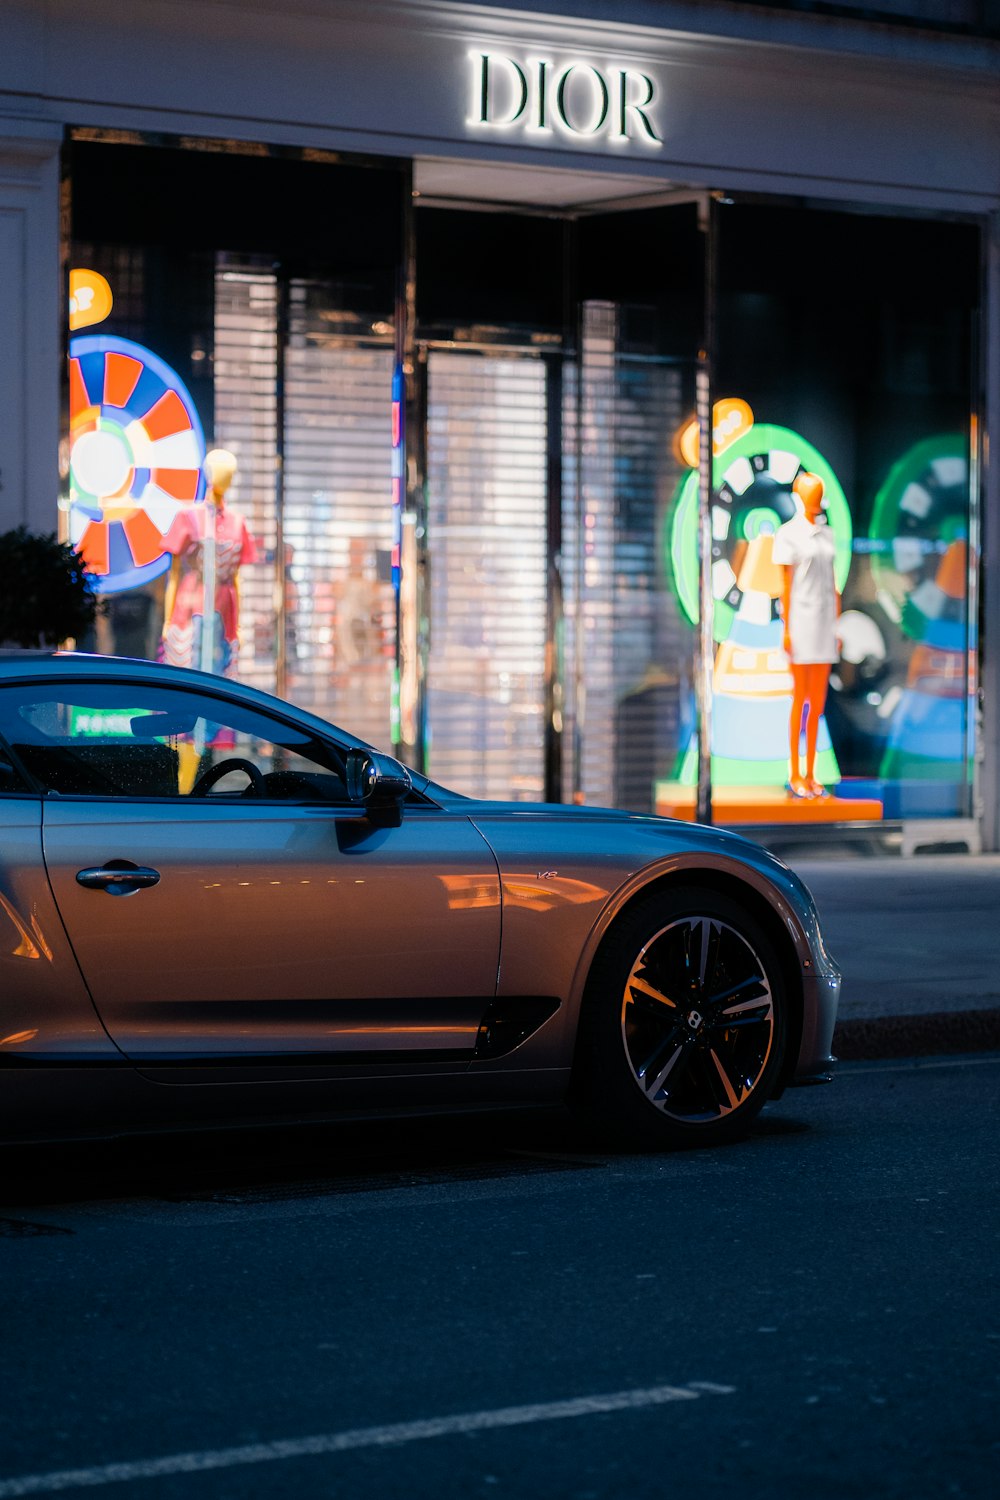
{"x": 538, "y": 97}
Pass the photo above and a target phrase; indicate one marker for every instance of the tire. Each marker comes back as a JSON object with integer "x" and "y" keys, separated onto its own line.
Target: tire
{"x": 683, "y": 1023}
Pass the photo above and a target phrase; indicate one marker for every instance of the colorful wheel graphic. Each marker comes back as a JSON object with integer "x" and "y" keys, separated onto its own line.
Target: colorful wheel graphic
{"x": 921, "y": 512}
{"x": 136, "y": 451}
{"x": 753, "y": 480}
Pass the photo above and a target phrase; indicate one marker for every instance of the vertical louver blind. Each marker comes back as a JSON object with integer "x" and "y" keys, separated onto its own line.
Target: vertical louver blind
{"x": 339, "y": 603}
{"x": 338, "y": 521}
{"x": 627, "y": 651}
{"x": 246, "y": 345}
{"x": 486, "y": 437}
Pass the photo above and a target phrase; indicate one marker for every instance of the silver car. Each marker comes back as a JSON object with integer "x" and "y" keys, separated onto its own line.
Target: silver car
{"x": 216, "y": 906}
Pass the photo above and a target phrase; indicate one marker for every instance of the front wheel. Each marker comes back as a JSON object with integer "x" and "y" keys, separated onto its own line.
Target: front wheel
{"x": 683, "y": 1023}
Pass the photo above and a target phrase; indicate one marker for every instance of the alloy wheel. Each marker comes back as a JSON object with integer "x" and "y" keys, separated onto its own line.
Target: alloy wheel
{"x": 698, "y": 1019}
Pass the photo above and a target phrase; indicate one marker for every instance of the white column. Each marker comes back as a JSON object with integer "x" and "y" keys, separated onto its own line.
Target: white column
{"x": 30, "y": 344}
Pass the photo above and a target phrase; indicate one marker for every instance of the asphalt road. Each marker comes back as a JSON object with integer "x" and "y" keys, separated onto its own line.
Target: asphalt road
{"x": 488, "y": 1308}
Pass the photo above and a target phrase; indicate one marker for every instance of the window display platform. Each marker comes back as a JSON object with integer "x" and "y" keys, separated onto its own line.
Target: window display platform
{"x": 765, "y": 804}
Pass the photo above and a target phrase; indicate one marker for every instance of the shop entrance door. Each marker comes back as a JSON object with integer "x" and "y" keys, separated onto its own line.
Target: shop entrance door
{"x": 558, "y": 664}
{"x": 629, "y": 651}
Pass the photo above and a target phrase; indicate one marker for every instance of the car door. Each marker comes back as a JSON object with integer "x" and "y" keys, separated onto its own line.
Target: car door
{"x": 240, "y": 914}
{"x": 47, "y": 1018}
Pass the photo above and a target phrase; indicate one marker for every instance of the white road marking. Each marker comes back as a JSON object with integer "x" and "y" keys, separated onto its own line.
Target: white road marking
{"x": 360, "y": 1437}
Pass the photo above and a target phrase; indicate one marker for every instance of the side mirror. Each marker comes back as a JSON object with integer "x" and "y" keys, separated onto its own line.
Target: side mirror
{"x": 376, "y": 780}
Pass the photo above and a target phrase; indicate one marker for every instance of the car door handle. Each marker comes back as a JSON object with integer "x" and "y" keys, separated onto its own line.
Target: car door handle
{"x": 119, "y": 877}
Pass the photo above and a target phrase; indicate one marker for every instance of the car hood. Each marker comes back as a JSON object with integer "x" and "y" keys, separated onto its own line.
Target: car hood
{"x": 698, "y": 836}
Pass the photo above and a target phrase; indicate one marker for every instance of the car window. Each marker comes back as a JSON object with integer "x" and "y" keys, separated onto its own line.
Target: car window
{"x": 11, "y": 779}
{"x": 135, "y": 740}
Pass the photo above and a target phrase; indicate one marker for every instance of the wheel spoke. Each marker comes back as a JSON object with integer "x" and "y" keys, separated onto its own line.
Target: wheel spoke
{"x": 754, "y": 983}
{"x": 653, "y": 1088}
{"x": 725, "y": 1024}
{"x": 705, "y": 937}
{"x": 653, "y": 1060}
{"x": 724, "y": 1076}
{"x": 762, "y": 1003}
{"x": 645, "y": 988}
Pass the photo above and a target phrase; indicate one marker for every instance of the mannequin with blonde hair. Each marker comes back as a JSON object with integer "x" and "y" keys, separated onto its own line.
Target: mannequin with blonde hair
{"x": 810, "y": 605}
{"x": 210, "y": 543}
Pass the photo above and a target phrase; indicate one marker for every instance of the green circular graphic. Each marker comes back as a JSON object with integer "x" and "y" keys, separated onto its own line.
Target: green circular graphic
{"x": 745, "y": 520}
{"x": 923, "y": 501}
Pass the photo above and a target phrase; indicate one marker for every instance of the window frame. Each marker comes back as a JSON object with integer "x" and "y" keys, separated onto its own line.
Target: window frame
{"x": 63, "y": 688}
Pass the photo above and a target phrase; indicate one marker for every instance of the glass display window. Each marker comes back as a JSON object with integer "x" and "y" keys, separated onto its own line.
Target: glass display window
{"x": 858, "y": 386}
{"x": 260, "y": 324}
{"x": 514, "y": 588}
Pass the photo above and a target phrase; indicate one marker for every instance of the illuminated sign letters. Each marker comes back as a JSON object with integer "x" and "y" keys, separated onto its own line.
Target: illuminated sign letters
{"x": 538, "y": 97}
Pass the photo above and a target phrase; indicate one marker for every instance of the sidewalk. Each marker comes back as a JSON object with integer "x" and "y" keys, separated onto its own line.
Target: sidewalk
{"x": 918, "y": 942}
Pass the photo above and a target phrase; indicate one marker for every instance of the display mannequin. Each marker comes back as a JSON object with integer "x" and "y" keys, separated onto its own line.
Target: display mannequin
{"x": 805, "y": 548}
{"x": 210, "y": 543}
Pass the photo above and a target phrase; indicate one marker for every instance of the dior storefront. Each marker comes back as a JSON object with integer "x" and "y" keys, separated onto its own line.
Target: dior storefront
{"x": 460, "y": 288}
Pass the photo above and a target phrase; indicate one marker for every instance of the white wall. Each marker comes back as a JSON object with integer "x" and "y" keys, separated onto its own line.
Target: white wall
{"x": 29, "y": 329}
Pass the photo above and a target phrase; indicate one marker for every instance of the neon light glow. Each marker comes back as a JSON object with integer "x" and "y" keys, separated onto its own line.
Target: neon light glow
{"x": 752, "y": 475}
{"x": 396, "y": 557}
{"x": 90, "y": 299}
{"x": 136, "y": 451}
{"x": 920, "y": 564}
{"x": 397, "y": 473}
{"x": 731, "y": 418}
{"x": 767, "y": 457}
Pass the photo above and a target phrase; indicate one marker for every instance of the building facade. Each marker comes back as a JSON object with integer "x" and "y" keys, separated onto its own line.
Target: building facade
{"x": 460, "y": 287}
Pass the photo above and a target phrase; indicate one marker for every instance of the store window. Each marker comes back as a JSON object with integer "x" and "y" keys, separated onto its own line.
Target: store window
{"x": 240, "y": 301}
{"x": 248, "y": 301}
{"x": 847, "y": 353}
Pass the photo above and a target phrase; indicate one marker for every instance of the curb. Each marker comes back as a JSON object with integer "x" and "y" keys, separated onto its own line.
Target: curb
{"x": 917, "y": 1036}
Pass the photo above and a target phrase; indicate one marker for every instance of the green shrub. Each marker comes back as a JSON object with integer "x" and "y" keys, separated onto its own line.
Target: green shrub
{"x": 46, "y": 593}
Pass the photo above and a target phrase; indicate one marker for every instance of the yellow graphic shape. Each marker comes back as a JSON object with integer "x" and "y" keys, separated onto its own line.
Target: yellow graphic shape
{"x": 90, "y": 299}
{"x": 731, "y": 418}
